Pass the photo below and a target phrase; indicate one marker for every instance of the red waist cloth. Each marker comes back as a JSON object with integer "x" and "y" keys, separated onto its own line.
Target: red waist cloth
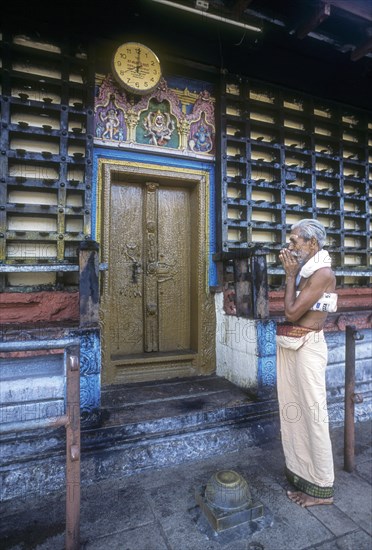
{"x": 295, "y": 331}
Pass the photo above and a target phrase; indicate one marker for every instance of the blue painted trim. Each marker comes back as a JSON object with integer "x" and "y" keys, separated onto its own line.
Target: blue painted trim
{"x": 90, "y": 371}
{"x": 162, "y": 160}
{"x": 90, "y": 393}
{"x": 266, "y": 351}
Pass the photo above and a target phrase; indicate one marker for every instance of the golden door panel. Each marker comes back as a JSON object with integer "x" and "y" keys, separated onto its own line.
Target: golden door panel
{"x": 126, "y": 288}
{"x": 174, "y": 236}
{"x": 154, "y": 301}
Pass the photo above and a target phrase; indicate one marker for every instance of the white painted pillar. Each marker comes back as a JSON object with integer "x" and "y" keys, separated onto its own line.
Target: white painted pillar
{"x": 245, "y": 350}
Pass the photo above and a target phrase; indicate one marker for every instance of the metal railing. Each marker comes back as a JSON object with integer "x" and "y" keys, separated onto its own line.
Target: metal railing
{"x": 351, "y": 398}
{"x": 71, "y": 421}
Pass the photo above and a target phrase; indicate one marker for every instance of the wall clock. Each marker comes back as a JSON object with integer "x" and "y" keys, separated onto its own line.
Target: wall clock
{"x": 136, "y": 68}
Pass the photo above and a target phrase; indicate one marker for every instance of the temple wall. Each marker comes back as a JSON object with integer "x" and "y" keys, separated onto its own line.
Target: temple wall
{"x": 53, "y": 202}
{"x": 335, "y": 376}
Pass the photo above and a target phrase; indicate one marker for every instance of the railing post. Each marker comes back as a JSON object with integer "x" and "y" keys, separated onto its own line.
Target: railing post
{"x": 250, "y": 280}
{"x": 351, "y": 335}
{"x": 260, "y": 286}
{"x": 89, "y": 284}
{"x": 71, "y": 421}
{"x": 73, "y": 449}
{"x": 243, "y": 288}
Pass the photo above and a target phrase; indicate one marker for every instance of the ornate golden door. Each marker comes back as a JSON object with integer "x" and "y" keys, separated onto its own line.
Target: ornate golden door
{"x": 153, "y": 293}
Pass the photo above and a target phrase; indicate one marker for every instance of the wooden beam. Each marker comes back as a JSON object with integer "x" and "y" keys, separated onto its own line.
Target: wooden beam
{"x": 361, "y": 8}
{"x": 260, "y": 287}
{"x": 89, "y": 284}
{"x": 243, "y": 289}
{"x": 361, "y": 50}
{"x": 239, "y": 7}
{"x": 323, "y": 13}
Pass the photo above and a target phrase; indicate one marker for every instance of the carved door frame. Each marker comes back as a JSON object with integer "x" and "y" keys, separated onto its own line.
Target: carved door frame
{"x": 202, "y": 360}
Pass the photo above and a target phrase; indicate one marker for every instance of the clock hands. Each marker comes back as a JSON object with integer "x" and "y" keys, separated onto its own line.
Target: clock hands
{"x": 136, "y": 67}
{"x": 139, "y": 65}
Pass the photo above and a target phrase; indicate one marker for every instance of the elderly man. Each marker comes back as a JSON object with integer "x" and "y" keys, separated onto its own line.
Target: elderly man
{"x": 301, "y": 363}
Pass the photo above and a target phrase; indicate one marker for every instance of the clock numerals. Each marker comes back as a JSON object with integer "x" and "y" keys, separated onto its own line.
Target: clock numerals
{"x": 136, "y": 67}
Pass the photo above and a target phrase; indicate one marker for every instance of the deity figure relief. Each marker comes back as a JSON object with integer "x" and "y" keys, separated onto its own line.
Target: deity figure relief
{"x": 159, "y": 127}
{"x": 173, "y": 118}
{"x": 201, "y": 140}
{"x": 111, "y": 122}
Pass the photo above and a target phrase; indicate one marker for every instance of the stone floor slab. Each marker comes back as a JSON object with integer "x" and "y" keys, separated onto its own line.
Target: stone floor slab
{"x": 157, "y": 510}
{"x": 334, "y": 519}
{"x": 353, "y": 496}
{"x": 113, "y": 508}
{"x": 358, "y": 540}
{"x": 147, "y": 537}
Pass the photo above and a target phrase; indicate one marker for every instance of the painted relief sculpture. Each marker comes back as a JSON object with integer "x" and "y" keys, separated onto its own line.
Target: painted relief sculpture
{"x": 166, "y": 118}
{"x": 201, "y": 139}
{"x": 159, "y": 126}
{"x": 110, "y": 124}
{"x": 110, "y": 109}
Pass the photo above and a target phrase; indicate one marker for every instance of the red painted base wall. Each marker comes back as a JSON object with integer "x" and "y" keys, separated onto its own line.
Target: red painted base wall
{"x": 63, "y": 307}
{"x": 39, "y": 307}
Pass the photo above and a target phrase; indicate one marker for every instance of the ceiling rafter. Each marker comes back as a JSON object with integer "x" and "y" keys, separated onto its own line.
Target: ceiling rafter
{"x": 361, "y": 8}
{"x": 308, "y": 26}
{"x": 239, "y": 7}
{"x": 206, "y": 14}
{"x": 361, "y": 50}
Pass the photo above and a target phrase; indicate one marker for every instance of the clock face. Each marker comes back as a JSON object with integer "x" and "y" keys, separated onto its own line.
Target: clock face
{"x": 136, "y": 67}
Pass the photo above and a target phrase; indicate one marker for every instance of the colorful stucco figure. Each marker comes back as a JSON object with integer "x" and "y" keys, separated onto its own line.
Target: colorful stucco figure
{"x": 111, "y": 122}
{"x": 159, "y": 127}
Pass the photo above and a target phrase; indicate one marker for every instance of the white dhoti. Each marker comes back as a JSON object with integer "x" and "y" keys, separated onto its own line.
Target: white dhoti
{"x": 301, "y": 364}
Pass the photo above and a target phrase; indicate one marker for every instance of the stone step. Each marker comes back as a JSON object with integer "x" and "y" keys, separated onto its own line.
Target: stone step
{"x": 143, "y": 426}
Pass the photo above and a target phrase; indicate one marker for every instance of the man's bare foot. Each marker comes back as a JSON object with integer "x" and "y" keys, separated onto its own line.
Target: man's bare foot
{"x": 304, "y": 500}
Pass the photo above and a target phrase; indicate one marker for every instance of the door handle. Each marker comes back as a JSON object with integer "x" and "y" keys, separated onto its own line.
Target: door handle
{"x": 136, "y": 270}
